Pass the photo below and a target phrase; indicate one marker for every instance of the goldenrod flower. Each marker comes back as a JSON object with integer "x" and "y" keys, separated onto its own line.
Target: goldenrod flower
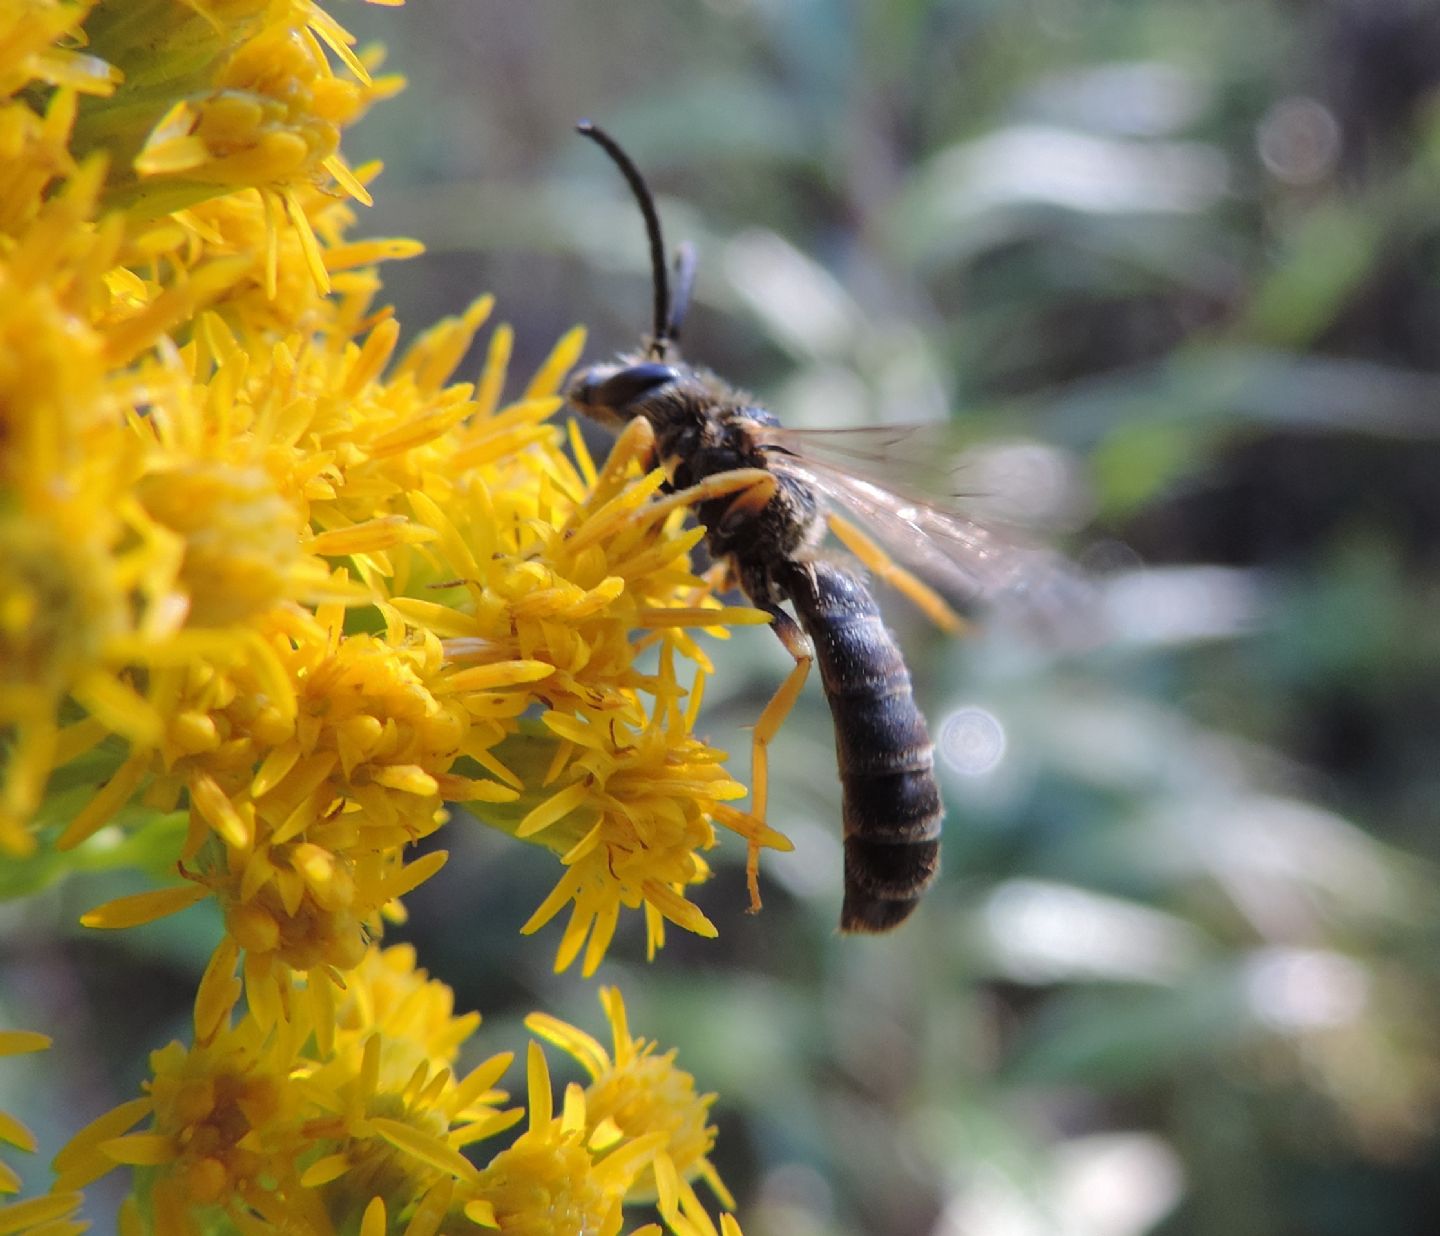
{"x": 226, "y": 95}
{"x": 345, "y": 1115}
{"x": 190, "y": 522}
{"x": 637, "y": 806}
{"x": 308, "y": 1118}
{"x": 638, "y": 1092}
{"x": 69, "y": 551}
{"x": 37, "y": 46}
{"x": 267, "y": 569}
{"x": 550, "y": 1182}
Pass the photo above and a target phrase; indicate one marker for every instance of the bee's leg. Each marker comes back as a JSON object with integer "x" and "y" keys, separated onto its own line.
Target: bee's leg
{"x": 749, "y": 502}
{"x": 755, "y": 487}
{"x": 930, "y": 602}
{"x": 798, "y": 645}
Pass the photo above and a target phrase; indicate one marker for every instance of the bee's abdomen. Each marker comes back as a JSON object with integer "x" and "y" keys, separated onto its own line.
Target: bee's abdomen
{"x": 892, "y": 804}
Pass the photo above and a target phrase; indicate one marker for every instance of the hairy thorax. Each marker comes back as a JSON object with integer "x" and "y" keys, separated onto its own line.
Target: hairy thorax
{"x": 703, "y": 428}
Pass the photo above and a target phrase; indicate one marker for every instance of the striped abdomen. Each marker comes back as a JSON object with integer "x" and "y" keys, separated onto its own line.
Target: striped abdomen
{"x": 892, "y": 804}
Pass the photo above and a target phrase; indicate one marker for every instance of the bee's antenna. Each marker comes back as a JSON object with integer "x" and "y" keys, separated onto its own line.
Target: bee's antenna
{"x": 684, "y": 284}
{"x": 665, "y": 316}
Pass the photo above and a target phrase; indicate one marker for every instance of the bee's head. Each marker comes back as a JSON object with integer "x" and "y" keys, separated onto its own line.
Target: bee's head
{"x": 615, "y": 394}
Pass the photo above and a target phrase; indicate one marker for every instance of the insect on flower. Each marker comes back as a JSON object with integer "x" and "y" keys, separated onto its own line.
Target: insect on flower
{"x": 761, "y": 492}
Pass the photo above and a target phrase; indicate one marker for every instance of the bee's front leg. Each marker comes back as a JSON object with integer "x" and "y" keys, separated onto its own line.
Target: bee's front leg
{"x": 755, "y": 487}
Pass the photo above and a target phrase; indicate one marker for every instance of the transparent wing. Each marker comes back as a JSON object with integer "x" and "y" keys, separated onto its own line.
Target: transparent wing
{"x": 924, "y": 458}
{"x": 971, "y": 558}
{"x": 1016, "y": 484}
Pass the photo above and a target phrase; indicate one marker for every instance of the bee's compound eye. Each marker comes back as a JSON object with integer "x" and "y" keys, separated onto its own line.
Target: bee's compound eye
{"x": 631, "y": 383}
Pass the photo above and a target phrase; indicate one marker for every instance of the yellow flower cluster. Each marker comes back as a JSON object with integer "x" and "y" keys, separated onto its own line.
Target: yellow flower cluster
{"x": 273, "y": 590}
{"x": 315, "y": 587}
{"x": 639, "y": 1093}
{"x": 351, "y": 1117}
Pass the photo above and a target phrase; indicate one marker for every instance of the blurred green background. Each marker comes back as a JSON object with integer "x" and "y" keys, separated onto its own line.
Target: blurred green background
{"x": 1181, "y": 974}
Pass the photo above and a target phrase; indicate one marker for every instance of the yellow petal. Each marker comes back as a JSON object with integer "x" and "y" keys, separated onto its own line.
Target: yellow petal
{"x": 604, "y": 1135}
{"x": 433, "y": 1208}
{"x": 482, "y": 1214}
{"x": 593, "y": 1058}
{"x": 618, "y": 1168}
{"x": 383, "y": 532}
{"x": 667, "y": 1185}
{"x": 140, "y": 908}
{"x": 347, "y": 180}
{"x": 142, "y": 1149}
{"x": 653, "y": 618}
{"x": 542, "y": 1100}
{"x": 314, "y": 259}
{"x": 12, "y": 1131}
{"x": 492, "y": 376}
{"x": 18, "y": 1216}
{"x": 601, "y": 934}
{"x": 414, "y": 874}
{"x": 556, "y": 901}
{"x": 581, "y": 920}
{"x": 406, "y": 778}
{"x": 553, "y": 809}
{"x": 583, "y": 459}
{"x": 682, "y": 913}
{"x": 113, "y": 795}
{"x": 572, "y": 1117}
{"x": 218, "y": 991}
{"x": 481, "y": 1078}
{"x": 717, "y": 1186}
{"x": 456, "y": 789}
{"x": 371, "y": 250}
{"x": 323, "y": 1171}
{"x": 20, "y": 1042}
{"x": 555, "y": 366}
{"x": 373, "y": 1224}
{"x": 756, "y": 831}
{"x": 219, "y": 812}
{"x": 488, "y": 1126}
{"x": 177, "y": 154}
{"x": 426, "y": 1148}
{"x": 500, "y": 674}
{"x": 100, "y": 1130}
{"x": 273, "y": 769}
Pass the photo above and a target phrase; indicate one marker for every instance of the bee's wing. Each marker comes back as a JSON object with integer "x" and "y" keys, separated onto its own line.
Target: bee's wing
{"x": 919, "y": 458}
{"x": 968, "y": 557}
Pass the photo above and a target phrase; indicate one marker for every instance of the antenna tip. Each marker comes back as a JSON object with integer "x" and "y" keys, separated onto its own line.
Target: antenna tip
{"x": 585, "y": 126}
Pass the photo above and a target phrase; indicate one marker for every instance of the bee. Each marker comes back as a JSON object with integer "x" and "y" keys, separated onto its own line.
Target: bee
{"x": 762, "y": 493}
